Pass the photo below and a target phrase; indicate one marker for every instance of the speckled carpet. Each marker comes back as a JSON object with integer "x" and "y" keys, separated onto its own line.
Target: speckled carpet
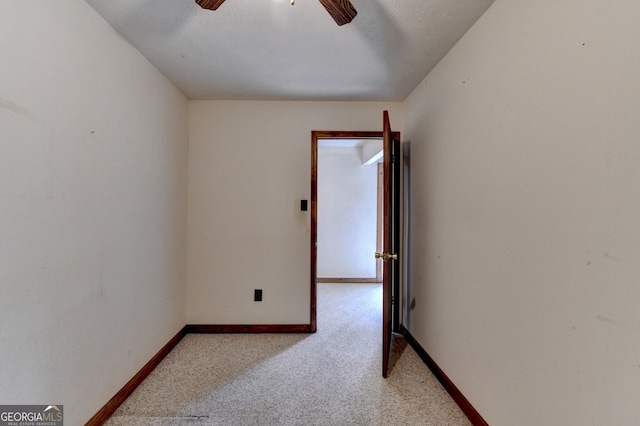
{"x": 332, "y": 377}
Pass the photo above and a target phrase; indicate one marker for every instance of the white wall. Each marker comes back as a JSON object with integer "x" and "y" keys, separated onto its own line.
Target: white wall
{"x": 93, "y": 145}
{"x": 525, "y": 207}
{"x": 347, "y": 213}
{"x": 249, "y": 167}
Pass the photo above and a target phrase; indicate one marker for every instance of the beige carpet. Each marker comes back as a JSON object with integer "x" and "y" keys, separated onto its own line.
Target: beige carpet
{"x": 332, "y": 377}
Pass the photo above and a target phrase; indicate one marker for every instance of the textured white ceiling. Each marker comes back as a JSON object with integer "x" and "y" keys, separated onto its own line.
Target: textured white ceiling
{"x": 268, "y": 49}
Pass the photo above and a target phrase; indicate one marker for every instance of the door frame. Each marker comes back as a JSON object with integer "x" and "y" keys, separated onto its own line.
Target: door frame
{"x": 315, "y": 136}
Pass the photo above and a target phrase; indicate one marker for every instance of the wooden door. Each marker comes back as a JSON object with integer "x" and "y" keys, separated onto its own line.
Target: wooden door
{"x": 391, "y": 239}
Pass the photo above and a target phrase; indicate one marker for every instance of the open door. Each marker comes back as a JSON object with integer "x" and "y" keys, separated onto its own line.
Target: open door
{"x": 391, "y": 228}
{"x": 391, "y": 240}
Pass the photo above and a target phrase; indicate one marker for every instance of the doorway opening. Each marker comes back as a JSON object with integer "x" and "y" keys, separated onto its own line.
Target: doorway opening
{"x": 316, "y": 137}
{"x": 349, "y": 217}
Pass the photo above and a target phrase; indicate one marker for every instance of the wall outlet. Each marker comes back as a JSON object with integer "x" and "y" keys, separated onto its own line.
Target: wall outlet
{"x": 257, "y": 295}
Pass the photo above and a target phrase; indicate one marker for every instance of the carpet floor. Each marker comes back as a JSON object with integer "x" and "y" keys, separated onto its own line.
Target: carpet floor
{"x": 332, "y": 377}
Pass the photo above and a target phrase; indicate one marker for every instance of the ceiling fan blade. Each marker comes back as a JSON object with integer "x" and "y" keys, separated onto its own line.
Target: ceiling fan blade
{"x": 210, "y": 4}
{"x": 342, "y": 11}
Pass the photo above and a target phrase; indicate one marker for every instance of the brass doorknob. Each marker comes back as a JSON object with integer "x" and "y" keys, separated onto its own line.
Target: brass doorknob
{"x": 386, "y": 256}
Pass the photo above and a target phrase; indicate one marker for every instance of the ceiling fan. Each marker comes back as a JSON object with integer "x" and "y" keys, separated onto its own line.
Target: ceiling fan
{"x": 342, "y": 11}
